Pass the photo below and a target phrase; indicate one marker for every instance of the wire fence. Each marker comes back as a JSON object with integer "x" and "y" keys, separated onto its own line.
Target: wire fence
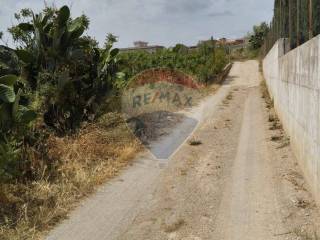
{"x": 297, "y": 20}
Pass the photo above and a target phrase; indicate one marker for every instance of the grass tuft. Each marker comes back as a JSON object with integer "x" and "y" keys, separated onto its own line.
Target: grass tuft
{"x": 194, "y": 142}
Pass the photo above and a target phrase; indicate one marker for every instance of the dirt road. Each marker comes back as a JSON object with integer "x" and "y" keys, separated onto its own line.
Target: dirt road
{"x": 238, "y": 184}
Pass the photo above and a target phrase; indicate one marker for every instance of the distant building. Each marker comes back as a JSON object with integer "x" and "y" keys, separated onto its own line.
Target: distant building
{"x": 232, "y": 43}
{"x": 237, "y": 44}
{"x": 140, "y": 45}
{"x": 229, "y": 42}
{"x": 223, "y": 41}
{"x": 193, "y": 47}
{"x": 207, "y": 41}
{"x": 226, "y": 41}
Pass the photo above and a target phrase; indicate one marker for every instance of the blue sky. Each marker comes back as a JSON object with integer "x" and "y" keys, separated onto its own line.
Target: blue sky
{"x": 161, "y": 22}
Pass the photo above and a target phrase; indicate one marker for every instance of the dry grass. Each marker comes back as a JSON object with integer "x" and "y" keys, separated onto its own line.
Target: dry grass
{"x": 194, "y": 142}
{"x": 264, "y": 90}
{"x": 275, "y": 123}
{"x": 305, "y": 235}
{"x": 276, "y": 138}
{"x": 83, "y": 162}
{"x": 230, "y": 96}
{"x": 174, "y": 226}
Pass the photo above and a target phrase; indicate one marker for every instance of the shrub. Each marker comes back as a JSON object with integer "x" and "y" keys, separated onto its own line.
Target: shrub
{"x": 203, "y": 63}
{"x": 67, "y": 73}
{"x": 15, "y": 119}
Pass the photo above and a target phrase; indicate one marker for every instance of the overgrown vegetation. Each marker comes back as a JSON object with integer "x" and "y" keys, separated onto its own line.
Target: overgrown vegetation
{"x": 55, "y": 73}
{"x": 204, "y": 63}
{"x": 57, "y": 141}
{"x": 15, "y": 118}
{"x": 67, "y": 75}
{"x": 80, "y": 163}
{"x": 53, "y": 85}
{"x": 256, "y": 39}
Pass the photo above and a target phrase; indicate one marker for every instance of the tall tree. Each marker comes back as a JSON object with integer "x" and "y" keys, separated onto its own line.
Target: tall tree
{"x": 304, "y": 21}
{"x": 285, "y": 18}
{"x": 293, "y": 17}
{"x": 310, "y": 19}
{"x": 316, "y": 17}
{"x": 277, "y": 18}
{"x": 298, "y": 7}
{"x": 258, "y": 36}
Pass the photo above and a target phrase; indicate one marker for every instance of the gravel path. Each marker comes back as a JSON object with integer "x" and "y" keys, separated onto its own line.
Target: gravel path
{"x": 236, "y": 185}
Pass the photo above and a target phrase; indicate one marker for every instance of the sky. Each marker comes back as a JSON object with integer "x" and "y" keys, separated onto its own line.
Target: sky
{"x": 159, "y": 22}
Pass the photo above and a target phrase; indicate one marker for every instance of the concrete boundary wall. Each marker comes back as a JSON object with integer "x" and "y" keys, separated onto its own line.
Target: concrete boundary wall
{"x": 293, "y": 80}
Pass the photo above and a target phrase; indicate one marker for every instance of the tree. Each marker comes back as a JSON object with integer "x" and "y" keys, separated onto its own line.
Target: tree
{"x": 258, "y": 36}
{"x": 110, "y": 40}
{"x": 67, "y": 73}
{"x": 285, "y": 16}
{"x": 293, "y": 22}
{"x": 180, "y": 48}
{"x": 316, "y": 17}
{"x": 304, "y": 21}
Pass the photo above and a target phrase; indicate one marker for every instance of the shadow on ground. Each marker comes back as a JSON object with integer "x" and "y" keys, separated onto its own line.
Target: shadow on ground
{"x": 162, "y": 132}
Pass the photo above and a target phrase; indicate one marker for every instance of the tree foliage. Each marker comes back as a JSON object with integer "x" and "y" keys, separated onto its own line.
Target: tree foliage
{"x": 316, "y": 17}
{"x": 204, "y": 63}
{"x": 256, "y": 39}
{"x": 58, "y": 78}
{"x": 298, "y": 20}
{"x": 66, "y": 70}
{"x": 15, "y": 114}
{"x": 56, "y": 75}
